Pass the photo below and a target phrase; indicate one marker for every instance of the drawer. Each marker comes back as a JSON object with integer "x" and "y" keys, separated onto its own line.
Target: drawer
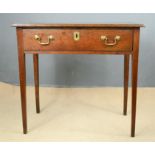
{"x": 77, "y": 39}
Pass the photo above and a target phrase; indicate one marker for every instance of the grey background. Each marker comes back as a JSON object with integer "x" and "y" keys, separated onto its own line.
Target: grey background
{"x": 77, "y": 70}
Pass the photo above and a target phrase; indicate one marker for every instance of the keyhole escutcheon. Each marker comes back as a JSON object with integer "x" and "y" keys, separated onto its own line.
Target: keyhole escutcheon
{"x": 76, "y": 36}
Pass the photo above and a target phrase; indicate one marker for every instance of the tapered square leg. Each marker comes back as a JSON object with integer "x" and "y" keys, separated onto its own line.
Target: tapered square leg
{"x": 126, "y": 79}
{"x": 36, "y": 81}
{"x": 22, "y": 78}
{"x": 134, "y": 80}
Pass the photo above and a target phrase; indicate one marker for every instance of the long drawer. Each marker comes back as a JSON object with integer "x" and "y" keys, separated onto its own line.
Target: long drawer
{"x": 77, "y": 39}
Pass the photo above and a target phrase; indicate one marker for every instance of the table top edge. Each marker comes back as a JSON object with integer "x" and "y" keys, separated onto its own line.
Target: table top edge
{"x": 77, "y": 25}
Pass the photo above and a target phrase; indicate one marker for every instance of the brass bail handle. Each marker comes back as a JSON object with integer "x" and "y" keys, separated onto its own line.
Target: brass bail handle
{"x": 105, "y": 39}
{"x": 38, "y": 38}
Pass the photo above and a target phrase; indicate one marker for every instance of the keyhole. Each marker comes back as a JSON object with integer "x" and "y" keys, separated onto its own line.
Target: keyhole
{"x": 76, "y": 35}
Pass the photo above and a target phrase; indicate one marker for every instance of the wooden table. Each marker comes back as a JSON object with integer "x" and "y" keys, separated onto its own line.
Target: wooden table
{"x": 117, "y": 39}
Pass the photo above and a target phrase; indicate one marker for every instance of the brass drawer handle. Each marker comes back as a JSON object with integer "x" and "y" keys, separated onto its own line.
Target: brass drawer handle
{"x": 50, "y": 38}
{"x": 105, "y": 39}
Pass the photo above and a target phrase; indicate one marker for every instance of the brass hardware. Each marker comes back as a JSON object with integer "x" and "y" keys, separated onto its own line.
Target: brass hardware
{"x": 36, "y": 37}
{"x": 105, "y": 39}
{"x": 76, "y": 36}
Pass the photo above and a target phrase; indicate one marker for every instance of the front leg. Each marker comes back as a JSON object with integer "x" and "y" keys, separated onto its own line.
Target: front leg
{"x": 22, "y": 77}
{"x": 134, "y": 79}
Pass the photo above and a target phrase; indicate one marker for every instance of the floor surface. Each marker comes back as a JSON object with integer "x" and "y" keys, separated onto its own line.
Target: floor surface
{"x": 76, "y": 114}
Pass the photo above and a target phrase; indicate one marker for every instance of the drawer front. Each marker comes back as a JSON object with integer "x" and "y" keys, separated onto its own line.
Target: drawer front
{"x": 77, "y": 39}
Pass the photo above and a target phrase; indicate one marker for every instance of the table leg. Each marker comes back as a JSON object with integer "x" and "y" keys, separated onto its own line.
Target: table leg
{"x": 22, "y": 78}
{"x": 126, "y": 79}
{"x": 36, "y": 81}
{"x": 134, "y": 79}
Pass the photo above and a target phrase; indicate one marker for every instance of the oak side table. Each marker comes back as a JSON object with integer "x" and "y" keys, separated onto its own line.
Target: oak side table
{"x": 122, "y": 39}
